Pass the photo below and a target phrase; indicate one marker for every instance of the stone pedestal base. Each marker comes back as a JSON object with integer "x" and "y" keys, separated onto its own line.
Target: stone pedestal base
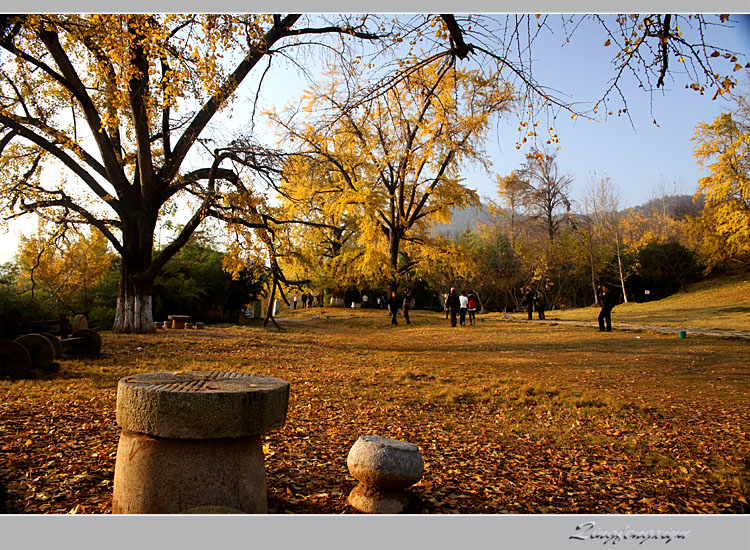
{"x": 169, "y": 476}
{"x": 377, "y": 500}
{"x": 384, "y": 467}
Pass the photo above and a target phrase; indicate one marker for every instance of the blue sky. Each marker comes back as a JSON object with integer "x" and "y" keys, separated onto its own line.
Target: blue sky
{"x": 641, "y": 158}
{"x": 638, "y": 156}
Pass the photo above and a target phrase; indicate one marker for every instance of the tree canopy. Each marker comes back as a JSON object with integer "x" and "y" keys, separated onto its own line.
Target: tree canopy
{"x": 391, "y": 166}
{"x": 724, "y": 144}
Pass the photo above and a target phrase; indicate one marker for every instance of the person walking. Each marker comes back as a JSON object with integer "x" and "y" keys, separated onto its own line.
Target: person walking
{"x": 607, "y": 300}
{"x": 294, "y": 300}
{"x": 463, "y": 305}
{"x": 452, "y": 305}
{"x": 304, "y": 300}
{"x": 407, "y": 305}
{"x": 393, "y": 307}
{"x": 541, "y": 304}
{"x": 528, "y": 302}
{"x": 472, "y": 307}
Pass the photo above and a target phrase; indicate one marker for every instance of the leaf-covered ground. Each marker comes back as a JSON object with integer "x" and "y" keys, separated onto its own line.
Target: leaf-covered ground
{"x": 510, "y": 417}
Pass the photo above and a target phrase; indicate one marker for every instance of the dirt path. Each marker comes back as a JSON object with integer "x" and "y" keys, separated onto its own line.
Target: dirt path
{"x": 310, "y": 324}
{"x": 719, "y": 333}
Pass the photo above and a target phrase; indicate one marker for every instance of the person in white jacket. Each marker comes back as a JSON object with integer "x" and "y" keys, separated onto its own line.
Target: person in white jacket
{"x": 463, "y": 305}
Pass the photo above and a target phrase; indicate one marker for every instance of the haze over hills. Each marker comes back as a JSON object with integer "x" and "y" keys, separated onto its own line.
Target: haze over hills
{"x": 676, "y": 206}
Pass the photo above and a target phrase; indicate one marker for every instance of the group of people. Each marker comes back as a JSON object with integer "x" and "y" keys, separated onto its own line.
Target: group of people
{"x": 394, "y": 303}
{"x": 534, "y": 300}
{"x": 308, "y": 300}
{"x": 460, "y": 305}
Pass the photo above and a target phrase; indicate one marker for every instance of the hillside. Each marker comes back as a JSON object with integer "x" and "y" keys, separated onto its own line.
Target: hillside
{"x": 713, "y": 304}
{"x": 463, "y": 219}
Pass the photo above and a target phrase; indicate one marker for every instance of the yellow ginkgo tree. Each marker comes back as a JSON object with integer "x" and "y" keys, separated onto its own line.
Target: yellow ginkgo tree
{"x": 394, "y": 161}
{"x": 724, "y": 226}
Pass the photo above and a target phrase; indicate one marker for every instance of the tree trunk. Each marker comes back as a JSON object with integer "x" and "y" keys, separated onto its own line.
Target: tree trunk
{"x": 134, "y": 311}
{"x": 593, "y": 272}
{"x": 619, "y": 264}
{"x": 394, "y": 243}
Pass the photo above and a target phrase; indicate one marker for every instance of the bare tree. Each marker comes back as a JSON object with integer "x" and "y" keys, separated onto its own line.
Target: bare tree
{"x": 548, "y": 191}
{"x": 603, "y": 203}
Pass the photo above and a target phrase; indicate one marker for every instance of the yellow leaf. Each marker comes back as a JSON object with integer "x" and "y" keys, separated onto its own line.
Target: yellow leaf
{"x": 28, "y": 442}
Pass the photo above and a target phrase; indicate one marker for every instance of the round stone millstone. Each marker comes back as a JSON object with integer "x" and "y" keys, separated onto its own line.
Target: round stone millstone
{"x": 385, "y": 462}
{"x": 201, "y": 405}
{"x": 15, "y": 360}
{"x": 55, "y": 341}
{"x": 79, "y": 322}
{"x": 40, "y": 348}
{"x": 88, "y": 345}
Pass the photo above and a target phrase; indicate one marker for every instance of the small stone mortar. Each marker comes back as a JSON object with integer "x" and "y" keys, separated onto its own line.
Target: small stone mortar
{"x": 384, "y": 468}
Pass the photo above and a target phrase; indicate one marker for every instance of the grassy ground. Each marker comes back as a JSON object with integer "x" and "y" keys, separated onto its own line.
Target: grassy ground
{"x": 711, "y": 304}
{"x": 510, "y": 417}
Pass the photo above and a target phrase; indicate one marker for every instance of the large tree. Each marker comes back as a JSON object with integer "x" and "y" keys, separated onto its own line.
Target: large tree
{"x": 67, "y": 266}
{"x": 396, "y": 157}
{"x": 602, "y": 206}
{"x": 100, "y": 97}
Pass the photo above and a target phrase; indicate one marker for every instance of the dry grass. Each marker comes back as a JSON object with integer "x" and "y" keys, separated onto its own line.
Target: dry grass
{"x": 711, "y": 304}
{"x": 510, "y": 417}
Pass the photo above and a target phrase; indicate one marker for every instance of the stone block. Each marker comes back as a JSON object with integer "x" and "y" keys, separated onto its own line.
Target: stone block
{"x": 171, "y": 476}
{"x": 79, "y": 323}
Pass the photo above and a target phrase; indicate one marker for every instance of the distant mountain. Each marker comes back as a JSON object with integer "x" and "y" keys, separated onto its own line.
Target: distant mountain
{"x": 463, "y": 219}
{"x": 675, "y": 206}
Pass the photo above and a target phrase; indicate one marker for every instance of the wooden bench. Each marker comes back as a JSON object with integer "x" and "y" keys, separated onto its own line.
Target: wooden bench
{"x": 62, "y": 327}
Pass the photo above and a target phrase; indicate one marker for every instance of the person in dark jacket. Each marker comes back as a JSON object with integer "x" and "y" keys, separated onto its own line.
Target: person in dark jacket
{"x": 452, "y": 305}
{"x": 407, "y": 306}
{"x": 528, "y": 302}
{"x": 393, "y": 305}
{"x": 608, "y": 300}
{"x": 541, "y": 304}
